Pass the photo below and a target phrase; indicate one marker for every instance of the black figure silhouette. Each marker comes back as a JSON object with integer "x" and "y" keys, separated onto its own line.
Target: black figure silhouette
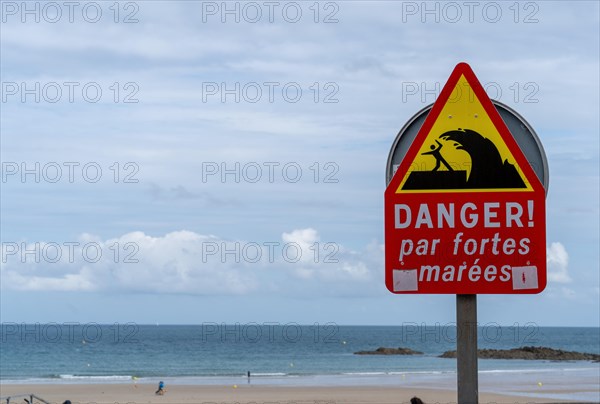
{"x": 439, "y": 160}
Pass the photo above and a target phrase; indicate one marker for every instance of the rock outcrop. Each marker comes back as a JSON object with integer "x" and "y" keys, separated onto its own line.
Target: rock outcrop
{"x": 530, "y": 353}
{"x": 389, "y": 351}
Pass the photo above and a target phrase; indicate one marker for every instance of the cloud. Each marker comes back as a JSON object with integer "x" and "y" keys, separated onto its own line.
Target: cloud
{"x": 68, "y": 282}
{"x": 557, "y": 260}
{"x": 563, "y": 293}
{"x": 179, "y": 192}
{"x": 305, "y": 238}
{"x": 185, "y": 262}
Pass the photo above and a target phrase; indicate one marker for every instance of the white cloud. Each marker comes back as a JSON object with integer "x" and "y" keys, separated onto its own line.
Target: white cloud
{"x": 68, "y": 282}
{"x": 305, "y": 238}
{"x": 185, "y": 262}
{"x": 557, "y": 260}
{"x": 562, "y": 293}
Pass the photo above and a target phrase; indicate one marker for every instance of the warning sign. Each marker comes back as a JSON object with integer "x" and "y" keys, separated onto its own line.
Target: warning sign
{"x": 465, "y": 212}
{"x": 463, "y": 150}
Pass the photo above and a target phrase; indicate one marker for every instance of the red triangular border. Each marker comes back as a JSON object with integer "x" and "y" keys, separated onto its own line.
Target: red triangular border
{"x": 460, "y": 70}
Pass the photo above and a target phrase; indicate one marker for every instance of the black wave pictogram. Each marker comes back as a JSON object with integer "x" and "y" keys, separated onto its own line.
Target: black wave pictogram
{"x": 487, "y": 168}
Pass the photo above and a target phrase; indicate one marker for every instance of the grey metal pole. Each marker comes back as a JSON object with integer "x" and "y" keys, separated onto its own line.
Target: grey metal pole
{"x": 466, "y": 349}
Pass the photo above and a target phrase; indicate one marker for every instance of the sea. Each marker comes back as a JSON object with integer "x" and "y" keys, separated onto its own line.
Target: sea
{"x": 291, "y": 354}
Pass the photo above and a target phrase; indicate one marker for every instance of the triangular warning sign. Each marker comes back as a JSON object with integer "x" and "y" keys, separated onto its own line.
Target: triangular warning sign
{"x": 464, "y": 146}
{"x": 465, "y": 212}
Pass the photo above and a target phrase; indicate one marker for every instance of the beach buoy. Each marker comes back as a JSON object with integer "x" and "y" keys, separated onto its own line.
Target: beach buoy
{"x": 540, "y": 384}
{"x": 235, "y": 386}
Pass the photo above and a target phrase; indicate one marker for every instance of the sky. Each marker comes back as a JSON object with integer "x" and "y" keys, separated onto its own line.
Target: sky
{"x": 185, "y": 162}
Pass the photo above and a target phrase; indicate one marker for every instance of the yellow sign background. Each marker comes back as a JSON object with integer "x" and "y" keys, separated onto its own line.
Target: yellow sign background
{"x": 462, "y": 110}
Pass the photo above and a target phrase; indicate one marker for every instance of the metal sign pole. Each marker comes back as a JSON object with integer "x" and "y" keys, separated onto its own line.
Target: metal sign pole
{"x": 466, "y": 349}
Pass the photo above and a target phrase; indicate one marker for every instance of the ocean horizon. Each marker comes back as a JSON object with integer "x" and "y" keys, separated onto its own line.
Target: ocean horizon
{"x": 213, "y": 353}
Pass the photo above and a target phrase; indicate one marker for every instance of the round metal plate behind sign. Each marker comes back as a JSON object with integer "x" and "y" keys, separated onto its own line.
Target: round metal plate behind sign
{"x": 521, "y": 131}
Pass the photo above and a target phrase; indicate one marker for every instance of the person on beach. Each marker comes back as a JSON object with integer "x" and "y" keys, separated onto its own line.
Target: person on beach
{"x": 161, "y": 388}
{"x": 416, "y": 400}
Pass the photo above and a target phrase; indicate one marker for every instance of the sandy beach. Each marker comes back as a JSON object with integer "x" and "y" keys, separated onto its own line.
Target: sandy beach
{"x": 242, "y": 394}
